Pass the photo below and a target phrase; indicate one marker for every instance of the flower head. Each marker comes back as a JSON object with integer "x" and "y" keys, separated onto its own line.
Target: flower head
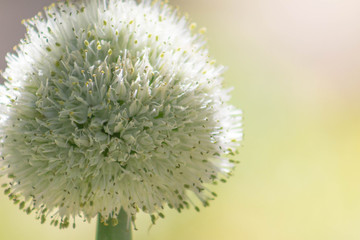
{"x": 110, "y": 104}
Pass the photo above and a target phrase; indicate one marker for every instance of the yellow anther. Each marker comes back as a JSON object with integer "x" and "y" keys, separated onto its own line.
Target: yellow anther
{"x": 193, "y": 26}
{"x": 202, "y": 30}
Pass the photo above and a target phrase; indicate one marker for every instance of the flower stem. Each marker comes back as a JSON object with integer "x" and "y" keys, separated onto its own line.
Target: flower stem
{"x": 122, "y": 231}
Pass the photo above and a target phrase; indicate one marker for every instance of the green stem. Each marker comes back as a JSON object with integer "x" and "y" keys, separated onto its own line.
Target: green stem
{"x": 122, "y": 231}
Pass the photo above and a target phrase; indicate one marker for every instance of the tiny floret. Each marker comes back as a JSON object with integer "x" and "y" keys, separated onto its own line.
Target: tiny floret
{"x": 111, "y": 104}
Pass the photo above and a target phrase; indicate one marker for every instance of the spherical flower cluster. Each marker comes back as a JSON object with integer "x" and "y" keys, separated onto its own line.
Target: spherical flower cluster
{"x": 111, "y": 104}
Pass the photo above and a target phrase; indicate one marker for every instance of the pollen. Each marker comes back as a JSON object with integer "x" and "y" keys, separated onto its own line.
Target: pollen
{"x": 193, "y": 26}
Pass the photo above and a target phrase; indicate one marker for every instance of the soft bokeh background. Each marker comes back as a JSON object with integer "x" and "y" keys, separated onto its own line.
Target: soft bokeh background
{"x": 295, "y": 68}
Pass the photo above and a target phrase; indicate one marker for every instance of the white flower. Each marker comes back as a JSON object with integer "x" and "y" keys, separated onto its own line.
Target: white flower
{"x": 111, "y": 104}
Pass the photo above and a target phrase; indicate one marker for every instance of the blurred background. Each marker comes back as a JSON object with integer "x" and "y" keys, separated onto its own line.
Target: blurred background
{"x": 294, "y": 66}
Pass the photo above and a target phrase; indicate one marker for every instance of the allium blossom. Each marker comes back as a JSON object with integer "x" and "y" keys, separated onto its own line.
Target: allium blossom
{"x": 111, "y": 104}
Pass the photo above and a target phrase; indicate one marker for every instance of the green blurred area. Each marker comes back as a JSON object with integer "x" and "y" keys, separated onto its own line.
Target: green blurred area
{"x": 299, "y": 172}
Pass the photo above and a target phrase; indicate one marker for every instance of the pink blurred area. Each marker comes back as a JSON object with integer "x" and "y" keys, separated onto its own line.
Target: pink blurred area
{"x": 317, "y": 40}
{"x": 11, "y": 14}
